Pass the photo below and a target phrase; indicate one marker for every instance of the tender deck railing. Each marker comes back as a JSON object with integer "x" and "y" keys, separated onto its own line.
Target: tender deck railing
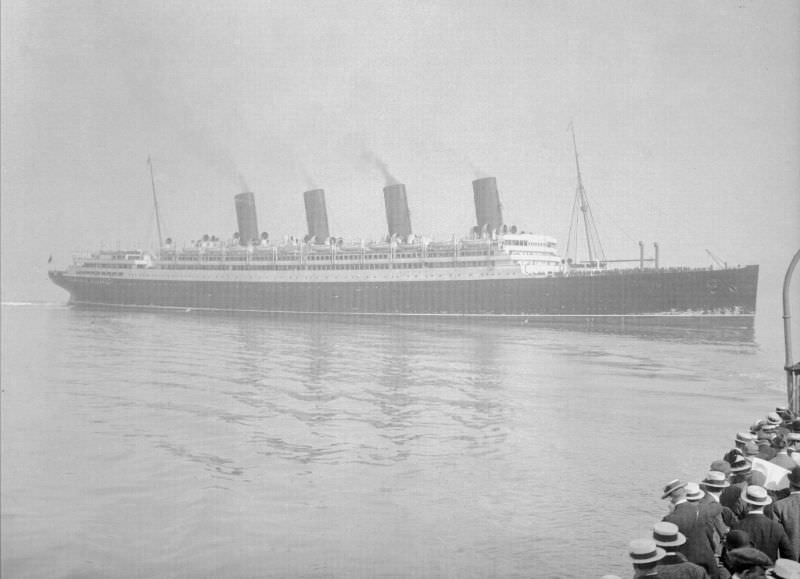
{"x": 792, "y": 368}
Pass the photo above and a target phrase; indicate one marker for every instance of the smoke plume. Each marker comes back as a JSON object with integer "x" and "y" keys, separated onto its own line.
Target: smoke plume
{"x": 310, "y": 184}
{"x": 478, "y": 173}
{"x": 381, "y": 166}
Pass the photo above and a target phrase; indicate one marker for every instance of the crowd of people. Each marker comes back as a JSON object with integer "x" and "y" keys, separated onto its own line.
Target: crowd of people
{"x": 741, "y": 521}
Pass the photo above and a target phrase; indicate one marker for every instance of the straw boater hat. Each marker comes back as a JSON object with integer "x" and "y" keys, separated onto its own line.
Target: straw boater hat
{"x": 743, "y": 437}
{"x": 715, "y": 480}
{"x": 785, "y": 569}
{"x": 667, "y": 535}
{"x": 773, "y": 419}
{"x": 644, "y": 551}
{"x": 672, "y": 486}
{"x": 756, "y": 495}
{"x": 767, "y": 430}
{"x": 693, "y": 492}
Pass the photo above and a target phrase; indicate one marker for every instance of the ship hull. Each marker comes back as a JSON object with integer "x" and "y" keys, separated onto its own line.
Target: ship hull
{"x": 665, "y": 293}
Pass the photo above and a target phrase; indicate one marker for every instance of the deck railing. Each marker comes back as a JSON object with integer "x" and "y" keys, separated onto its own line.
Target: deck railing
{"x": 792, "y": 368}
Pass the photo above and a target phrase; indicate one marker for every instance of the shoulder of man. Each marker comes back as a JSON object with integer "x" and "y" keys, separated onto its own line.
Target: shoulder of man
{"x": 682, "y": 570}
{"x": 788, "y": 502}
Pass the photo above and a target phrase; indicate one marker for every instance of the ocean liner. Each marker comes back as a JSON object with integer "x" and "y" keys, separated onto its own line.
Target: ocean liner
{"x": 497, "y": 271}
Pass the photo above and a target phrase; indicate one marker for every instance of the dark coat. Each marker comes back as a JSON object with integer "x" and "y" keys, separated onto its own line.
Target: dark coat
{"x": 675, "y": 566}
{"x": 731, "y": 497}
{"x": 787, "y": 513}
{"x": 728, "y": 518}
{"x": 714, "y": 510}
{"x": 766, "y": 535}
{"x": 698, "y": 528}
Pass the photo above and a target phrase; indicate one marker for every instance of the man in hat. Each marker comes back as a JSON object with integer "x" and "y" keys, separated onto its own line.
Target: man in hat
{"x": 714, "y": 483}
{"x": 731, "y": 497}
{"x": 774, "y": 419}
{"x": 734, "y": 540}
{"x": 787, "y": 512}
{"x": 695, "y": 524}
{"x": 764, "y": 440}
{"x": 674, "y": 565}
{"x": 766, "y": 534}
{"x": 645, "y": 556}
{"x": 782, "y": 458}
{"x": 748, "y": 563}
{"x": 782, "y": 425}
{"x": 694, "y": 494}
{"x": 721, "y": 517}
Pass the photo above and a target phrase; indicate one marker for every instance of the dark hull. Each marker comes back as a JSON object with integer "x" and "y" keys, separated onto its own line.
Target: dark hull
{"x": 666, "y": 294}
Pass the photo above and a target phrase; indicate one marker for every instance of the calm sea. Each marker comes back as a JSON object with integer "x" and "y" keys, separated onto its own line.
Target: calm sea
{"x": 139, "y": 444}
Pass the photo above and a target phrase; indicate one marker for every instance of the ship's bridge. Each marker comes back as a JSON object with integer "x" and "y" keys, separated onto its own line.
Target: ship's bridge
{"x": 535, "y": 254}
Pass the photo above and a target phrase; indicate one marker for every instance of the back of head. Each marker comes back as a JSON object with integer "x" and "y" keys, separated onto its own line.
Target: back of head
{"x": 737, "y": 539}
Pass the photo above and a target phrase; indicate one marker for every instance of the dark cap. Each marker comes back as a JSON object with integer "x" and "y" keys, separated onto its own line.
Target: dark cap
{"x": 747, "y": 558}
{"x": 794, "y": 477}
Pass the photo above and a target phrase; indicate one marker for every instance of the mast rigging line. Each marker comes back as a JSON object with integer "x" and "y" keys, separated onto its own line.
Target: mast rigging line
{"x": 155, "y": 204}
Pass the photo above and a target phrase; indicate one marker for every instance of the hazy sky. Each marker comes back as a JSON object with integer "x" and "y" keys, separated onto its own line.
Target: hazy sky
{"x": 687, "y": 117}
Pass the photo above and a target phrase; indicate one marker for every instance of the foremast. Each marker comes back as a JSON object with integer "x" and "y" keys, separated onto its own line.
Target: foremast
{"x": 582, "y": 213}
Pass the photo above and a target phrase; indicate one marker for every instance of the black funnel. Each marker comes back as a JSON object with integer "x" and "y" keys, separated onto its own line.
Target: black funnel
{"x": 397, "y": 216}
{"x": 246, "y": 218}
